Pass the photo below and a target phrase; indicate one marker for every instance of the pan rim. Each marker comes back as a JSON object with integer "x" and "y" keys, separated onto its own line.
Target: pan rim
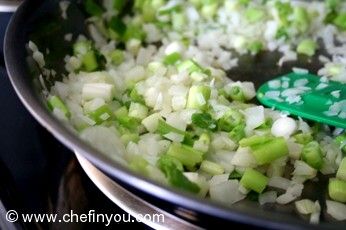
{"x": 27, "y": 96}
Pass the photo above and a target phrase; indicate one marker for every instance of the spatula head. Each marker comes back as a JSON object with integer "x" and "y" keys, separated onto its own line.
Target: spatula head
{"x": 307, "y": 96}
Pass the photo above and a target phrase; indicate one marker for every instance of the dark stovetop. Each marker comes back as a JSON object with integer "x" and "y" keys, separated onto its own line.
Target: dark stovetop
{"x": 38, "y": 174}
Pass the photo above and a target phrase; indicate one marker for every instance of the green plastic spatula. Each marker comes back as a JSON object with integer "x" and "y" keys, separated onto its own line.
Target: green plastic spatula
{"x": 307, "y": 96}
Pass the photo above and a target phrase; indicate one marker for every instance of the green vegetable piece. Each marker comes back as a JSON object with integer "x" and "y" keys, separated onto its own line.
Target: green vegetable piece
{"x": 169, "y": 10}
{"x": 230, "y": 120}
{"x": 254, "y": 140}
{"x": 312, "y": 155}
{"x": 203, "y": 120}
{"x": 341, "y": 173}
{"x": 198, "y": 97}
{"x": 117, "y": 57}
{"x": 341, "y": 141}
{"x": 340, "y": 21}
{"x": 119, "y": 5}
{"x": 211, "y": 168}
{"x": 136, "y": 97}
{"x": 101, "y": 114}
{"x": 163, "y": 128}
{"x": 307, "y": 47}
{"x": 133, "y": 32}
{"x": 92, "y": 8}
{"x": 139, "y": 164}
{"x": 81, "y": 47}
{"x": 209, "y": 10}
{"x": 282, "y": 33}
{"x": 303, "y": 138}
{"x": 125, "y": 120}
{"x": 189, "y": 66}
{"x": 236, "y": 93}
{"x": 187, "y": 155}
{"x": 117, "y": 26}
{"x": 254, "y": 180}
{"x": 265, "y": 149}
{"x": 333, "y": 4}
{"x": 54, "y": 102}
{"x": 284, "y": 10}
{"x": 89, "y": 61}
{"x": 254, "y": 15}
{"x": 301, "y": 19}
{"x": 337, "y": 190}
{"x": 255, "y": 47}
{"x": 129, "y": 137}
{"x": 237, "y": 133}
{"x": 235, "y": 175}
{"x": 172, "y": 58}
{"x": 172, "y": 169}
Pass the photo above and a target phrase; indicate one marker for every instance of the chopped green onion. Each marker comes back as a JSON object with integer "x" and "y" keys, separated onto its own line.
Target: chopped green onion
{"x": 284, "y": 10}
{"x": 202, "y": 144}
{"x": 117, "y": 26}
{"x": 138, "y": 111}
{"x": 236, "y": 93}
{"x": 189, "y": 66}
{"x": 340, "y": 21}
{"x": 341, "y": 141}
{"x": 254, "y": 140}
{"x": 136, "y": 97}
{"x": 101, "y": 114}
{"x": 198, "y": 97}
{"x": 307, "y": 47}
{"x": 129, "y": 137}
{"x": 203, "y": 120}
{"x": 117, "y": 57}
{"x": 163, "y": 128}
{"x": 92, "y": 8}
{"x": 265, "y": 149}
{"x": 333, "y": 4}
{"x": 254, "y": 15}
{"x": 81, "y": 47}
{"x": 237, "y": 133}
{"x": 209, "y": 10}
{"x": 235, "y": 175}
{"x": 133, "y": 32}
{"x": 172, "y": 169}
{"x": 185, "y": 154}
{"x": 254, "y": 180}
{"x": 255, "y": 47}
{"x": 178, "y": 21}
{"x": 138, "y": 164}
{"x": 341, "y": 173}
{"x": 89, "y": 61}
{"x": 54, "y": 102}
{"x": 211, "y": 168}
{"x": 303, "y": 138}
{"x": 282, "y": 33}
{"x": 312, "y": 155}
{"x": 301, "y": 19}
{"x": 125, "y": 120}
{"x": 172, "y": 58}
{"x": 337, "y": 190}
{"x": 119, "y": 5}
{"x": 230, "y": 120}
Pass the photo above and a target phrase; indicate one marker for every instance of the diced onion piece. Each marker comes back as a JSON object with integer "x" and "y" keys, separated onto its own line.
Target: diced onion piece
{"x": 305, "y": 206}
{"x": 267, "y": 197}
{"x": 226, "y": 192}
{"x": 336, "y": 209}
{"x": 151, "y": 122}
{"x": 97, "y": 90}
{"x": 284, "y": 127}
